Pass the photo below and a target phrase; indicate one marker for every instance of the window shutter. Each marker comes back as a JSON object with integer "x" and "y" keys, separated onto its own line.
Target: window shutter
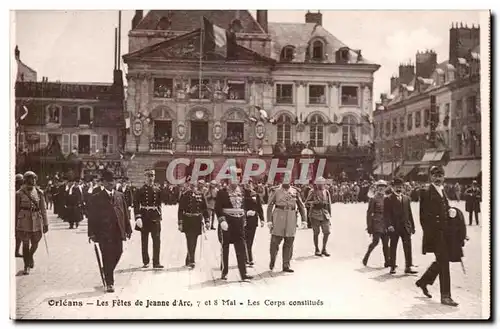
{"x": 110, "y": 144}
{"x": 43, "y": 140}
{"x": 65, "y": 143}
{"x": 93, "y": 143}
{"x": 74, "y": 141}
{"x": 99, "y": 144}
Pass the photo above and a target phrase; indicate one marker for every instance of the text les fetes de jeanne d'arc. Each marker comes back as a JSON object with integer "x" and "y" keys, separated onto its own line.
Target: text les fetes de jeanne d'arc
{"x": 147, "y": 303}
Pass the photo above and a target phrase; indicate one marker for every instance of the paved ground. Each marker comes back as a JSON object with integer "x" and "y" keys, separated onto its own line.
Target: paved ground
{"x": 342, "y": 286}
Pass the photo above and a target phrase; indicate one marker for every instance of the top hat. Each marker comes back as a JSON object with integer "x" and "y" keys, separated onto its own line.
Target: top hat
{"x": 436, "y": 170}
{"x": 397, "y": 181}
{"x": 107, "y": 176}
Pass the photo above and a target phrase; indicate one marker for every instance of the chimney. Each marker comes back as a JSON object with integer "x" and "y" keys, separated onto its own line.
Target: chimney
{"x": 316, "y": 18}
{"x": 406, "y": 73}
{"x": 384, "y": 99}
{"x": 137, "y": 18}
{"x": 17, "y": 53}
{"x": 426, "y": 63}
{"x": 394, "y": 83}
{"x": 262, "y": 19}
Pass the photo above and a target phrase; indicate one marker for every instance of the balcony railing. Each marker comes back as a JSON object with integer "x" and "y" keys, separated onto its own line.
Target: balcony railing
{"x": 161, "y": 146}
{"x": 317, "y": 100}
{"x": 284, "y": 100}
{"x": 205, "y": 148}
{"x": 236, "y": 147}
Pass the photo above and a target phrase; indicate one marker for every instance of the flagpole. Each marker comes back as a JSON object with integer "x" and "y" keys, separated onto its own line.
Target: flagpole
{"x": 202, "y": 30}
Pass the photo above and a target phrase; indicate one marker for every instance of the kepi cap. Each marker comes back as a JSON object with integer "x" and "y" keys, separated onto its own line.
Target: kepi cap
{"x": 19, "y": 177}
{"x": 30, "y": 174}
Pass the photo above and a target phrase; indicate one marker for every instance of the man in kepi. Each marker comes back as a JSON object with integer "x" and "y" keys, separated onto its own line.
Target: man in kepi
{"x": 434, "y": 209}
{"x": 282, "y": 222}
{"x": 31, "y": 218}
{"x": 192, "y": 215}
{"x": 319, "y": 201}
{"x": 109, "y": 226}
{"x": 147, "y": 210}
{"x": 400, "y": 224}
{"x": 230, "y": 210}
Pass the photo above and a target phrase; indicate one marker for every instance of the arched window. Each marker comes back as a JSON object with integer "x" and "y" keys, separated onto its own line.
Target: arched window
{"x": 349, "y": 131}
{"x": 287, "y": 54}
{"x": 284, "y": 124}
{"x": 317, "y": 50}
{"x": 316, "y": 131}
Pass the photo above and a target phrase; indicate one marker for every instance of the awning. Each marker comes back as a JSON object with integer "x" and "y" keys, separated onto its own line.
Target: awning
{"x": 430, "y": 156}
{"x": 452, "y": 169}
{"x": 404, "y": 170}
{"x": 471, "y": 169}
{"x": 385, "y": 168}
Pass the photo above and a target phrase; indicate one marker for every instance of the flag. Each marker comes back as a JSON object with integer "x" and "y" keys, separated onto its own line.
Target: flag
{"x": 217, "y": 40}
{"x": 25, "y": 114}
{"x": 127, "y": 123}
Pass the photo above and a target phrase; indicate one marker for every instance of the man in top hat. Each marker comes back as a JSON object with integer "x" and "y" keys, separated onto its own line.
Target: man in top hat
{"x": 473, "y": 202}
{"x": 375, "y": 224}
{"x": 19, "y": 183}
{"x": 318, "y": 201}
{"x": 210, "y": 195}
{"x": 109, "y": 225}
{"x": 147, "y": 210}
{"x": 400, "y": 224}
{"x": 231, "y": 209}
{"x": 31, "y": 218}
{"x": 434, "y": 208}
{"x": 126, "y": 189}
{"x": 282, "y": 222}
{"x": 192, "y": 215}
{"x": 74, "y": 203}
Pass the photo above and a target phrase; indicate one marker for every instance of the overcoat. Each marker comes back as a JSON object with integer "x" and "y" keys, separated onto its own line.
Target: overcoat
{"x": 29, "y": 216}
{"x": 285, "y": 220}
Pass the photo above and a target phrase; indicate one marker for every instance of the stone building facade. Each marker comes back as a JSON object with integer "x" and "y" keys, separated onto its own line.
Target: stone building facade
{"x": 314, "y": 90}
{"x": 432, "y": 114}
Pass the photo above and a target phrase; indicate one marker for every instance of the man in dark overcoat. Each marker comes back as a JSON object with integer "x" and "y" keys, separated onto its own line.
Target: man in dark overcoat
{"x": 254, "y": 212}
{"x": 400, "y": 224}
{"x": 473, "y": 202}
{"x": 438, "y": 236}
{"x": 109, "y": 226}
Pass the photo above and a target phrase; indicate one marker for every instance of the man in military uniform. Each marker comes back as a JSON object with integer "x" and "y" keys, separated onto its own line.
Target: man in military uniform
{"x": 31, "y": 218}
{"x": 319, "y": 202}
{"x": 19, "y": 183}
{"x": 473, "y": 202}
{"x": 147, "y": 210}
{"x": 192, "y": 214}
{"x": 210, "y": 195}
{"x": 230, "y": 210}
{"x": 282, "y": 222}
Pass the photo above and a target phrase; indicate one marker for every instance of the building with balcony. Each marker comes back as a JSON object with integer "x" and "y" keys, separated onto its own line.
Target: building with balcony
{"x": 432, "y": 115}
{"x": 59, "y": 122}
{"x": 315, "y": 90}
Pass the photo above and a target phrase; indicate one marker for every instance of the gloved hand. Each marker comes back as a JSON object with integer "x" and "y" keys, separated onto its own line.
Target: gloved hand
{"x": 224, "y": 226}
{"x": 251, "y": 213}
{"x": 390, "y": 229}
{"x": 180, "y": 227}
{"x": 138, "y": 222}
{"x": 128, "y": 235}
{"x": 91, "y": 238}
{"x": 207, "y": 226}
{"x": 303, "y": 225}
{"x": 261, "y": 223}
{"x": 45, "y": 229}
{"x": 270, "y": 226}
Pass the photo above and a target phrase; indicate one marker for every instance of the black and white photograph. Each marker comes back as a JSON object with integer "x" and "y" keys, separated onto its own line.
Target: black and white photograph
{"x": 250, "y": 164}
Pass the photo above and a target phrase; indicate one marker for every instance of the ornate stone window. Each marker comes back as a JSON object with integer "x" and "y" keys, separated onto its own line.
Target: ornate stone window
{"x": 287, "y": 54}
{"x": 163, "y": 88}
{"x": 284, "y": 93}
{"x": 349, "y": 131}
{"x": 284, "y": 129}
{"x": 85, "y": 115}
{"x": 53, "y": 114}
{"x": 317, "y": 50}
{"x": 350, "y": 95}
{"x": 316, "y": 131}
{"x": 317, "y": 94}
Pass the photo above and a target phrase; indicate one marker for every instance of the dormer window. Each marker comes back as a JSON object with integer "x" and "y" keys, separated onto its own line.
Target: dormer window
{"x": 287, "y": 54}
{"x": 317, "y": 50}
{"x": 343, "y": 55}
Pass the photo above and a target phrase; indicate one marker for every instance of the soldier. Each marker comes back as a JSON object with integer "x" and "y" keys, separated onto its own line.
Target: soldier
{"x": 19, "y": 183}
{"x": 230, "y": 210}
{"x": 473, "y": 202}
{"x": 210, "y": 195}
{"x": 319, "y": 202}
{"x": 147, "y": 210}
{"x": 109, "y": 225}
{"x": 399, "y": 222}
{"x": 435, "y": 220}
{"x": 31, "y": 218}
{"x": 375, "y": 224}
{"x": 192, "y": 214}
{"x": 254, "y": 212}
{"x": 282, "y": 222}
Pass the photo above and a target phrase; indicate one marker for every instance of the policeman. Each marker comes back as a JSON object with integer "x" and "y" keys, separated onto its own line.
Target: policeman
{"x": 282, "y": 222}
{"x": 31, "y": 218}
{"x": 192, "y": 214}
{"x": 147, "y": 210}
{"x": 230, "y": 210}
{"x": 319, "y": 201}
{"x": 19, "y": 184}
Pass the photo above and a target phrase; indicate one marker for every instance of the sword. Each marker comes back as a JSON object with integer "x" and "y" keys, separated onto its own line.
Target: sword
{"x": 99, "y": 264}
{"x": 463, "y": 266}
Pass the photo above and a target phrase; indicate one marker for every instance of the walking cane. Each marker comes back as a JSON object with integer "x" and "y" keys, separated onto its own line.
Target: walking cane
{"x": 99, "y": 263}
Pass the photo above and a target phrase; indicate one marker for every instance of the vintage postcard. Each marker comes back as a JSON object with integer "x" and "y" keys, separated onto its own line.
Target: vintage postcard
{"x": 250, "y": 164}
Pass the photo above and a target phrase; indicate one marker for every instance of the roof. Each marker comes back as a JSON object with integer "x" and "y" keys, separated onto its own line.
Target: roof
{"x": 19, "y": 62}
{"x": 158, "y": 49}
{"x": 299, "y": 35}
{"x": 188, "y": 20}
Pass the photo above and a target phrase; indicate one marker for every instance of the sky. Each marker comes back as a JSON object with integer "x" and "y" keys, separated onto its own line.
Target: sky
{"x": 78, "y": 46}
